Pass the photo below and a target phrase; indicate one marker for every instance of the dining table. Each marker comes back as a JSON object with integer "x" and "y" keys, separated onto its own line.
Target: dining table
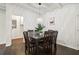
{"x": 42, "y": 42}
{"x": 37, "y": 39}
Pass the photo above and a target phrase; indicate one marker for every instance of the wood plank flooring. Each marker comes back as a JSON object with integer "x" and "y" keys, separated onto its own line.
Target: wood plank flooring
{"x": 19, "y": 49}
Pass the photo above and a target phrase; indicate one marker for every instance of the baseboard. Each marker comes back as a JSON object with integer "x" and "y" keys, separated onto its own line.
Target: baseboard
{"x": 9, "y": 43}
{"x": 64, "y": 44}
{"x": 17, "y": 38}
{"x": 77, "y": 47}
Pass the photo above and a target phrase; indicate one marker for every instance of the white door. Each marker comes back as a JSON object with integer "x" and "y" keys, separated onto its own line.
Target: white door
{"x": 17, "y": 26}
{"x": 77, "y": 31}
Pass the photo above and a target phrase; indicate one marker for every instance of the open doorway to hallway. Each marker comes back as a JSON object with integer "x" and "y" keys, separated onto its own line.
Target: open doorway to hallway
{"x": 17, "y": 27}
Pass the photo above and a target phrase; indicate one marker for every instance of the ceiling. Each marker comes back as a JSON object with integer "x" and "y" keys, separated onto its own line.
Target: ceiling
{"x": 35, "y": 7}
{"x": 43, "y": 8}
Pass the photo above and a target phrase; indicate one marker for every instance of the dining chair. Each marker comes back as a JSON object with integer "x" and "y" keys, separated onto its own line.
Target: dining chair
{"x": 47, "y": 43}
{"x": 54, "y": 39}
{"x": 50, "y": 41}
{"x": 25, "y": 33}
{"x": 29, "y": 45}
{"x": 55, "y": 33}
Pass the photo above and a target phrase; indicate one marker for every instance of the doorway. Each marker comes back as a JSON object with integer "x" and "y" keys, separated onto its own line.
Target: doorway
{"x": 17, "y": 27}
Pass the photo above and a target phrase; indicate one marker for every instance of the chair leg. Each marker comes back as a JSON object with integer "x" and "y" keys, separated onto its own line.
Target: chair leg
{"x": 50, "y": 47}
{"x": 25, "y": 50}
{"x": 55, "y": 49}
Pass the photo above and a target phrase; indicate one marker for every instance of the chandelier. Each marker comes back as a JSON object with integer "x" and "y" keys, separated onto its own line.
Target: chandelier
{"x": 39, "y": 19}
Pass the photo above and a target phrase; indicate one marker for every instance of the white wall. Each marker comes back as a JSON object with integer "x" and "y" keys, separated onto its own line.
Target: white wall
{"x": 29, "y": 19}
{"x": 77, "y": 27}
{"x": 64, "y": 23}
{"x": 2, "y": 26}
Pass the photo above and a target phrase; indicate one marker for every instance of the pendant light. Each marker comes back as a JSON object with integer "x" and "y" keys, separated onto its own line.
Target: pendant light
{"x": 39, "y": 19}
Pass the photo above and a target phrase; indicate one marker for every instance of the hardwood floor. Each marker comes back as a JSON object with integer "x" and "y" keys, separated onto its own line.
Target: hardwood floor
{"x": 18, "y": 48}
{"x": 2, "y": 48}
{"x": 62, "y": 50}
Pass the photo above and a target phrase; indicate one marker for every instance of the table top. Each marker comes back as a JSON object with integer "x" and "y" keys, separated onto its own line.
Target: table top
{"x": 37, "y": 37}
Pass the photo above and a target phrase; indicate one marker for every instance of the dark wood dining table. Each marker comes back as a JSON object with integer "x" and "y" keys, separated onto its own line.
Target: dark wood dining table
{"x": 41, "y": 43}
{"x": 37, "y": 40}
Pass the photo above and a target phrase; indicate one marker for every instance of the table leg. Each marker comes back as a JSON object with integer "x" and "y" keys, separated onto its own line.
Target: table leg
{"x": 37, "y": 47}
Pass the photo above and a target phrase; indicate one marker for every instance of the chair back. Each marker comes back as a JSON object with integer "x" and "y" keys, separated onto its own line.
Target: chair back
{"x": 47, "y": 38}
{"x": 25, "y": 33}
{"x": 29, "y": 43}
{"x": 50, "y": 38}
{"x": 55, "y": 33}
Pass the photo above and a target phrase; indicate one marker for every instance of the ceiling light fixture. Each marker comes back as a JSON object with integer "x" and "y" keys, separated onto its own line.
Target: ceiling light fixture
{"x": 39, "y": 19}
{"x": 39, "y": 3}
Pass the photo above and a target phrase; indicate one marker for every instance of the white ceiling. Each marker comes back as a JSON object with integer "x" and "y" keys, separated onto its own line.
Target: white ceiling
{"x": 43, "y": 8}
{"x": 35, "y": 7}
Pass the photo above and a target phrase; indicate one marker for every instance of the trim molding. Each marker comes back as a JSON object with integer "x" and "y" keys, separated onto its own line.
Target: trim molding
{"x": 69, "y": 46}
